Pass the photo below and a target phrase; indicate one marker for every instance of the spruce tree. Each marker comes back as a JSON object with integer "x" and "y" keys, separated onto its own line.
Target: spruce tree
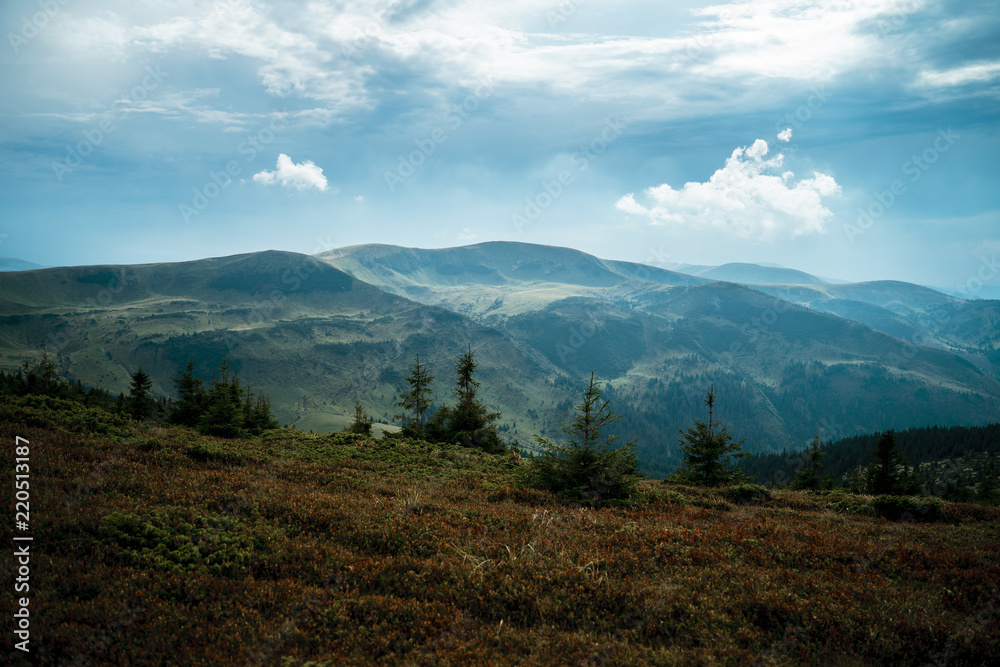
{"x": 890, "y": 473}
{"x": 362, "y": 423}
{"x": 586, "y": 468}
{"x": 191, "y": 397}
{"x": 40, "y": 377}
{"x": 808, "y": 476}
{"x": 140, "y": 404}
{"x": 988, "y": 491}
{"x": 470, "y": 423}
{"x": 417, "y": 399}
{"x": 223, "y": 415}
{"x": 707, "y": 450}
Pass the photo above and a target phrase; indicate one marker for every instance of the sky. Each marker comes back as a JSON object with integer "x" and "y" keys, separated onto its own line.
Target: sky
{"x": 853, "y": 140}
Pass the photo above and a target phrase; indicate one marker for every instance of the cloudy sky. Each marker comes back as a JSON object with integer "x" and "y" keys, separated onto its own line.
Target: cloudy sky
{"x": 850, "y": 139}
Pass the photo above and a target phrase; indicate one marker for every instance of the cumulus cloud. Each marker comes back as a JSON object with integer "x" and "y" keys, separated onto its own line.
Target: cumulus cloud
{"x": 745, "y": 198}
{"x": 299, "y": 176}
{"x": 785, "y": 135}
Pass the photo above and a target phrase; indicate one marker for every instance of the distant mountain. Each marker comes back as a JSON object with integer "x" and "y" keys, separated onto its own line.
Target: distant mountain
{"x": 790, "y": 359}
{"x": 312, "y": 337}
{"x": 756, "y": 274}
{"x": 318, "y": 333}
{"x": 495, "y": 278}
{"x": 14, "y": 264}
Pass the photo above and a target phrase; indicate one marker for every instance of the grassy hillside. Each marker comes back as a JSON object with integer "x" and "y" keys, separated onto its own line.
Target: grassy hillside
{"x": 316, "y": 339}
{"x": 312, "y": 337}
{"x": 160, "y": 546}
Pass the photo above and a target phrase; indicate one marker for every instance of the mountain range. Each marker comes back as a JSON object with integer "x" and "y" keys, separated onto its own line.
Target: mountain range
{"x": 790, "y": 355}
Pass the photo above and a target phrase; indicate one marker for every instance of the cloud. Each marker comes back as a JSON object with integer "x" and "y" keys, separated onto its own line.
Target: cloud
{"x": 291, "y": 175}
{"x": 785, "y": 135}
{"x": 744, "y": 199}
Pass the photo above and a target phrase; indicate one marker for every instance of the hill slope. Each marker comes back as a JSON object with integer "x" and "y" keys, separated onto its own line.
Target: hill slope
{"x": 312, "y": 337}
{"x": 540, "y": 319}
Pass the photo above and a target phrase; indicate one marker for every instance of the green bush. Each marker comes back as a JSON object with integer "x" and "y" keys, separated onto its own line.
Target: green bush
{"x": 204, "y": 452}
{"x": 168, "y": 541}
{"x": 149, "y": 445}
{"x": 746, "y": 494}
{"x": 906, "y": 508}
{"x": 850, "y": 505}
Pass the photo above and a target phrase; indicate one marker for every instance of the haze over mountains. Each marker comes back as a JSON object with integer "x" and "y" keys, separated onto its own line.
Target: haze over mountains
{"x": 789, "y": 354}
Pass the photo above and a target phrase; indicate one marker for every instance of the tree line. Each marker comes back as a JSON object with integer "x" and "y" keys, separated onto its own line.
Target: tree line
{"x": 224, "y": 408}
{"x": 587, "y": 467}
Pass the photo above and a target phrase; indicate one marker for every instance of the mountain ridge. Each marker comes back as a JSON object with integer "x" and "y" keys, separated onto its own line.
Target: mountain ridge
{"x": 318, "y": 338}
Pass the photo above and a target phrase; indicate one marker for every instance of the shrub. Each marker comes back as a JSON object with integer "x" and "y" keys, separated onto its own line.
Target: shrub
{"x": 167, "y": 541}
{"x": 746, "y": 494}
{"x": 206, "y": 452}
{"x": 896, "y": 508}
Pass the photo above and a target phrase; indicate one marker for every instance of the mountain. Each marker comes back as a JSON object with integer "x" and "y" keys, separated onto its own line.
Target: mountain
{"x": 312, "y": 337}
{"x": 788, "y": 360}
{"x": 495, "y": 278}
{"x": 756, "y": 274}
{"x": 318, "y": 333}
{"x": 14, "y": 264}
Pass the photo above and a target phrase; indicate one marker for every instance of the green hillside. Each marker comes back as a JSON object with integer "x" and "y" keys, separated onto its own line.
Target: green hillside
{"x": 316, "y": 338}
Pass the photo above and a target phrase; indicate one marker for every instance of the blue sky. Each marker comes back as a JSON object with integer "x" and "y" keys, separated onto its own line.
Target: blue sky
{"x": 645, "y": 131}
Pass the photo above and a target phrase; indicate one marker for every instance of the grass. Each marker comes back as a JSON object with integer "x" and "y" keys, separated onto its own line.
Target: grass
{"x": 302, "y": 549}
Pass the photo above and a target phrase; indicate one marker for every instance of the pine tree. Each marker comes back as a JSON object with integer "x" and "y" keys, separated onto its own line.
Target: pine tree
{"x": 890, "y": 473}
{"x": 418, "y": 399}
{"x": 257, "y": 416}
{"x": 223, "y": 415}
{"x": 191, "y": 397}
{"x": 40, "y": 377}
{"x": 140, "y": 404}
{"x": 808, "y": 476}
{"x": 362, "y": 423}
{"x": 586, "y": 468}
{"x": 469, "y": 422}
{"x": 707, "y": 451}
{"x": 988, "y": 491}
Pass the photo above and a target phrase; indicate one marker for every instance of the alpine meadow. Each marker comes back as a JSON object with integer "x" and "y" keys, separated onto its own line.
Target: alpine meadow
{"x": 399, "y": 332}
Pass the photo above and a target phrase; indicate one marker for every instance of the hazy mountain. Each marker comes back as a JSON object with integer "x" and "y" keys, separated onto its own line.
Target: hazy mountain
{"x": 14, "y": 264}
{"x": 318, "y": 334}
{"x": 756, "y": 274}
{"x": 496, "y": 278}
{"x": 311, "y": 336}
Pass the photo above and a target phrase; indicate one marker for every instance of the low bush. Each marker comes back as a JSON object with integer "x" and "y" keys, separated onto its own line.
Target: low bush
{"x": 746, "y": 494}
{"x": 907, "y": 508}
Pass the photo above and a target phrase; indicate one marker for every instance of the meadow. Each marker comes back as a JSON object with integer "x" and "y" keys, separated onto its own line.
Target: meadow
{"x": 156, "y": 545}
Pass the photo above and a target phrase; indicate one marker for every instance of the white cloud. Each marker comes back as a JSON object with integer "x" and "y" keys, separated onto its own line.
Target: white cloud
{"x": 744, "y": 198}
{"x": 291, "y": 175}
{"x": 785, "y": 135}
{"x": 359, "y": 198}
{"x": 980, "y": 72}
